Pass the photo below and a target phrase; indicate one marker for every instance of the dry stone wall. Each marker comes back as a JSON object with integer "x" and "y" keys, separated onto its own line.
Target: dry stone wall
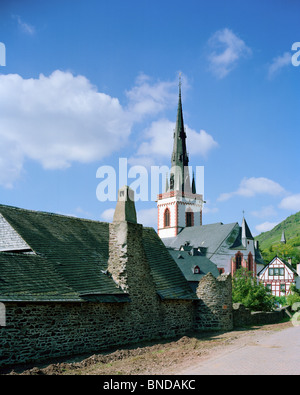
{"x": 214, "y": 308}
{"x": 39, "y": 331}
{"x": 245, "y": 317}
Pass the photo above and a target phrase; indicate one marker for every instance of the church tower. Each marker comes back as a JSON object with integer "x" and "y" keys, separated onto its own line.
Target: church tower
{"x": 179, "y": 206}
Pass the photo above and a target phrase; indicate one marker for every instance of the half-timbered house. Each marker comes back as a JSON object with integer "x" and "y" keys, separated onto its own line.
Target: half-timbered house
{"x": 278, "y": 276}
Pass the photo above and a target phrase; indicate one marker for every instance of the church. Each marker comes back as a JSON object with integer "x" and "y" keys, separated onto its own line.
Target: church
{"x": 197, "y": 248}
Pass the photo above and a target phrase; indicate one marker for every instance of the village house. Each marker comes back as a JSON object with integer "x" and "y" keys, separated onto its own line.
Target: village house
{"x": 278, "y": 276}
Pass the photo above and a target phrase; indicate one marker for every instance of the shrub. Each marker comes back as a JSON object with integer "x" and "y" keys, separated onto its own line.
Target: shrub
{"x": 294, "y": 296}
{"x": 249, "y": 292}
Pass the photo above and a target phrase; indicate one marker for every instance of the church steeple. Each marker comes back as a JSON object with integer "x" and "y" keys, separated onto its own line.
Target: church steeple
{"x": 179, "y": 206}
{"x": 179, "y": 179}
{"x": 283, "y": 239}
{"x": 246, "y": 233}
{"x": 193, "y": 184}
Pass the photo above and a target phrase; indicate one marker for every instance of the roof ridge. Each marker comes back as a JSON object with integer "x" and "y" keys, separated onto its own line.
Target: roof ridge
{"x": 50, "y": 213}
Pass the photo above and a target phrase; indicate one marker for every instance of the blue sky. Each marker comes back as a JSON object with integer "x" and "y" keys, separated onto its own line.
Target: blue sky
{"x": 88, "y": 82}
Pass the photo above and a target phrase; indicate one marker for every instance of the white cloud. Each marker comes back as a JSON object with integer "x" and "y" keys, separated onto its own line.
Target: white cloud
{"x": 226, "y": 50}
{"x": 83, "y": 213}
{"x": 25, "y": 27}
{"x": 266, "y": 226}
{"x": 253, "y": 186}
{"x": 207, "y": 209}
{"x": 291, "y": 202}
{"x": 108, "y": 215}
{"x": 147, "y": 217}
{"x": 56, "y": 120}
{"x": 267, "y": 211}
{"x": 11, "y": 162}
{"x": 60, "y": 119}
{"x": 159, "y": 141}
{"x": 278, "y": 63}
{"x": 149, "y": 99}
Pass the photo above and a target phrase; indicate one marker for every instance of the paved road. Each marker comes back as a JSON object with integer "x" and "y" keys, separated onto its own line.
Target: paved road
{"x": 277, "y": 353}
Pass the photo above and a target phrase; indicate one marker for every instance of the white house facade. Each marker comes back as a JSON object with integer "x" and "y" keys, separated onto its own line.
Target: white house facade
{"x": 278, "y": 276}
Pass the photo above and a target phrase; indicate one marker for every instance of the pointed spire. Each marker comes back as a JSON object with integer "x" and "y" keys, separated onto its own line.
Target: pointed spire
{"x": 246, "y": 233}
{"x": 283, "y": 239}
{"x": 193, "y": 184}
{"x": 180, "y": 158}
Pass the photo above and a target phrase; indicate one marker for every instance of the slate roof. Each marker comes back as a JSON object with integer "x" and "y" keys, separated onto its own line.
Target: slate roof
{"x": 283, "y": 261}
{"x": 169, "y": 280}
{"x": 214, "y": 239}
{"x": 69, "y": 259}
{"x": 246, "y": 231}
{"x": 187, "y": 262}
{"x": 211, "y": 236}
{"x": 258, "y": 257}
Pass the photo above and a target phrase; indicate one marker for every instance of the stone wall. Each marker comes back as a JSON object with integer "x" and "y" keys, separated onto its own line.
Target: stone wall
{"x": 40, "y": 331}
{"x": 37, "y": 331}
{"x": 214, "y": 308}
{"x": 245, "y": 317}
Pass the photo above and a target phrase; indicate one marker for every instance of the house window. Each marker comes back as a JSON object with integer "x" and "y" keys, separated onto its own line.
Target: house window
{"x": 189, "y": 218}
{"x": 271, "y": 272}
{"x": 281, "y": 271}
{"x": 2, "y": 315}
{"x": 250, "y": 262}
{"x": 166, "y": 217}
{"x": 238, "y": 260}
{"x": 196, "y": 270}
{"x": 282, "y": 288}
{"x": 269, "y": 287}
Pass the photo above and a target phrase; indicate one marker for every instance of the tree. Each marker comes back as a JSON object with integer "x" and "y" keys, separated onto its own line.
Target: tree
{"x": 294, "y": 296}
{"x": 249, "y": 292}
{"x": 284, "y": 251}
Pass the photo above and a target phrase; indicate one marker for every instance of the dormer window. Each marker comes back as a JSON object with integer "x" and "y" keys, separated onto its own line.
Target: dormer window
{"x": 196, "y": 270}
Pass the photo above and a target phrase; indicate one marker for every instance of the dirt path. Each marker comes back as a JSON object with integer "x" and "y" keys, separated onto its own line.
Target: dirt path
{"x": 167, "y": 357}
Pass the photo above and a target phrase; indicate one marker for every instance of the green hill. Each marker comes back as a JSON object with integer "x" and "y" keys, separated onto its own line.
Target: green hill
{"x": 270, "y": 245}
